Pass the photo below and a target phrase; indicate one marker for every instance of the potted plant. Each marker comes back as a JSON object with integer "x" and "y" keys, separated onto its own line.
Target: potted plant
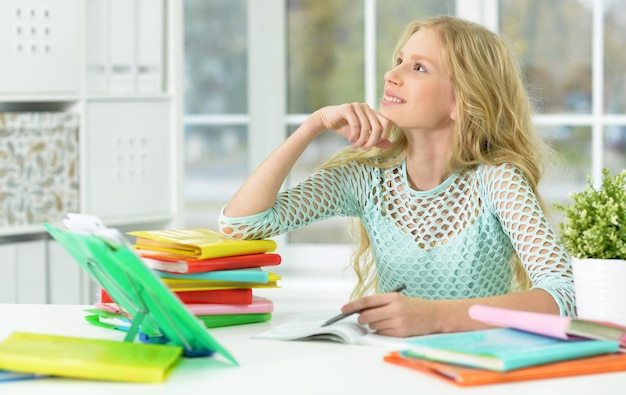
{"x": 594, "y": 233}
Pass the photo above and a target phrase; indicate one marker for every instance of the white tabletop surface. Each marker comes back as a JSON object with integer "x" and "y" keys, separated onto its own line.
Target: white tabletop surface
{"x": 269, "y": 366}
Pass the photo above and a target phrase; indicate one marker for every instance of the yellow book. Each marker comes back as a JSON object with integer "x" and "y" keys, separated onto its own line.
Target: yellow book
{"x": 198, "y": 243}
{"x": 85, "y": 358}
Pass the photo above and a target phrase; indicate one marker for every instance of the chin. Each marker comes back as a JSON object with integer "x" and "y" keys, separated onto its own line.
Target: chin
{"x": 387, "y": 114}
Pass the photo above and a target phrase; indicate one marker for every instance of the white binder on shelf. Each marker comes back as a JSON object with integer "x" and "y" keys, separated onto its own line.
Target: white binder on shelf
{"x": 122, "y": 49}
{"x": 97, "y": 48}
{"x": 150, "y": 42}
{"x": 125, "y": 40}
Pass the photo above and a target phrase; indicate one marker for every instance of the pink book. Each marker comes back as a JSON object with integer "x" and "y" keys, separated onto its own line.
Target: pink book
{"x": 258, "y": 305}
{"x": 551, "y": 325}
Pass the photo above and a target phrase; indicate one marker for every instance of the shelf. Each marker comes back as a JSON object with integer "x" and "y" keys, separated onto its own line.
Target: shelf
{"x": 106, "y": 75}
{"x": 47, "y": 99}
{"x": 19, "y": 233}
{"x": 39, "y": 105}
{"x": 21, "y": 230}
{"x": 43, "y": 98}
{"x": 129, "y": 97}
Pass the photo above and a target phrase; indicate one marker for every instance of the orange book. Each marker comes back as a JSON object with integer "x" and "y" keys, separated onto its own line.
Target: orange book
{"x": 173, "y": 264}
{"x": 464, "y": 376}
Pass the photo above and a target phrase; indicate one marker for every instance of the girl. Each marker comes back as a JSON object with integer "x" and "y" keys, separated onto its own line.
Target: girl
{"x": 443, "y": 179}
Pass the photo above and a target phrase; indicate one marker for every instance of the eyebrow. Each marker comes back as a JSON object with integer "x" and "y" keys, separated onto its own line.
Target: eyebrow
{"x": 418, "y": 57}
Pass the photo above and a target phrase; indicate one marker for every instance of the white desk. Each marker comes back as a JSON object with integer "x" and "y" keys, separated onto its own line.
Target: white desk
{"x": 269, "y": 367}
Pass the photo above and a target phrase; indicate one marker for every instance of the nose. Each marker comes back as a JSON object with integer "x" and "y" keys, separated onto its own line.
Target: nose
{"x": 391, "y": 76}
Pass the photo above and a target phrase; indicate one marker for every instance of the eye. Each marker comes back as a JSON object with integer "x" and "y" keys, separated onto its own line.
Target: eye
{"x": 419, "y": 67}
{"x": 398, "y": 61}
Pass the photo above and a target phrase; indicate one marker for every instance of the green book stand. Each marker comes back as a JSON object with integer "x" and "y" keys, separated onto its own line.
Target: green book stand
{"x": 155, "y": 313}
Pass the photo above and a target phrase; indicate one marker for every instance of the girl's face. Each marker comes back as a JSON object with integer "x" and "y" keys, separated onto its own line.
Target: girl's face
{"x": 418, "y": 91}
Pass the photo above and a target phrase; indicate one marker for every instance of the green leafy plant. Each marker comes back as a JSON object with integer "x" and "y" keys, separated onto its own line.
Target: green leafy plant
{"x": 595, "y": 222}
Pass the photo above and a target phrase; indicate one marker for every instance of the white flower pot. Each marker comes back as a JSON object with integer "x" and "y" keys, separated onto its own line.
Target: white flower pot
{"x": 600, "y": 286}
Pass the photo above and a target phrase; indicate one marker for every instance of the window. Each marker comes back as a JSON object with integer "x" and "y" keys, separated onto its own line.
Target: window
{"x": 571, "y": 55}
{"x": 215, "y": 106}
{"x": 344, "y": 63}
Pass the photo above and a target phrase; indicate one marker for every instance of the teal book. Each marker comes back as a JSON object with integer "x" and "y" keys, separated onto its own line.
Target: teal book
{"x": 7, "y": 375}
{"x": 252, "y": 275}
{"x": 502, "y": 349}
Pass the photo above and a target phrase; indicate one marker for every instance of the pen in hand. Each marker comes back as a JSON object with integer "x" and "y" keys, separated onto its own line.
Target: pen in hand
{"x": 344, "y": 315}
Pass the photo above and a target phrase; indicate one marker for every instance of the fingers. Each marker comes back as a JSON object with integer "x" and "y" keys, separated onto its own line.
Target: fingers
{"x": 362, "y": 126}
{"x": 364, "y": 303}
{"x": 387, "y": 314}
{"x": 368, "y": 128}
{"x": 388, "y": 320}
{"x": 361, "y": 130}
{"x": 370, "y": 307}
{"x": 383, "y": 140}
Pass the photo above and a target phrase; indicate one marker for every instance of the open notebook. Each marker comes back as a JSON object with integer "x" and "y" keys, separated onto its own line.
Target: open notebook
{"x": 347, "y": 331}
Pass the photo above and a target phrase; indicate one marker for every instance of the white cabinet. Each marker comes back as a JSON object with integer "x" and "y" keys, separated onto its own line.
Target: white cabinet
{"x": 90, "y": 122}
{"x": 41, "y": 271}
{"x": 31, "y": 272}
{"x": 40, "y": 46}
{"x": 8, "y": 268}
{"x": 128, "y": 161}
{"x": 65, "y": 283}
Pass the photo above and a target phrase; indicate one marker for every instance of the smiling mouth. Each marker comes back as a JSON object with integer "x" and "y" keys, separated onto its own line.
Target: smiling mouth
{"x": 392, "y": 99}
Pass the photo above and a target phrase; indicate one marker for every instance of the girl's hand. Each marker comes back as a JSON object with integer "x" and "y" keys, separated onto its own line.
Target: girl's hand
{"x": 357, "y": 122}
{"x": 394, "y": 314}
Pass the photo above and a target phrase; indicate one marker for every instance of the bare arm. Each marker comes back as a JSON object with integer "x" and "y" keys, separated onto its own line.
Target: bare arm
{"x": 361, "y": 125}
{"x": 394, "y": 314}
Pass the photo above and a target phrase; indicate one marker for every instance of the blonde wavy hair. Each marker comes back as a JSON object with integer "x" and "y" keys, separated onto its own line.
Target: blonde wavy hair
{"x": 493, "y": 123}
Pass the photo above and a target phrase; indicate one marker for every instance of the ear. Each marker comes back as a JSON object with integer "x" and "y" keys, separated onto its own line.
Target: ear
{"x": 454, "y": 115}
{"x": 453, "y": 111}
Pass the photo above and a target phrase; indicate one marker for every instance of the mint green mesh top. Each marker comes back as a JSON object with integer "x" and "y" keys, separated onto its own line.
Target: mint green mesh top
{"x": 452, "y": 242}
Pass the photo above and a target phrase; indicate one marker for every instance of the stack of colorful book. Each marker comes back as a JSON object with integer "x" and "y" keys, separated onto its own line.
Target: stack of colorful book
{"x": 213, "y": 276}
{"x": 523, "y": 346}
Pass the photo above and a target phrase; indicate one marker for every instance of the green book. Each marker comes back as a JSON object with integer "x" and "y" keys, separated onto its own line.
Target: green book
{"x": 85, "y": 358}
{"x": 502, "y": 349}
{"x": 214, "y": 321}
{"x": 111, "y": 320}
